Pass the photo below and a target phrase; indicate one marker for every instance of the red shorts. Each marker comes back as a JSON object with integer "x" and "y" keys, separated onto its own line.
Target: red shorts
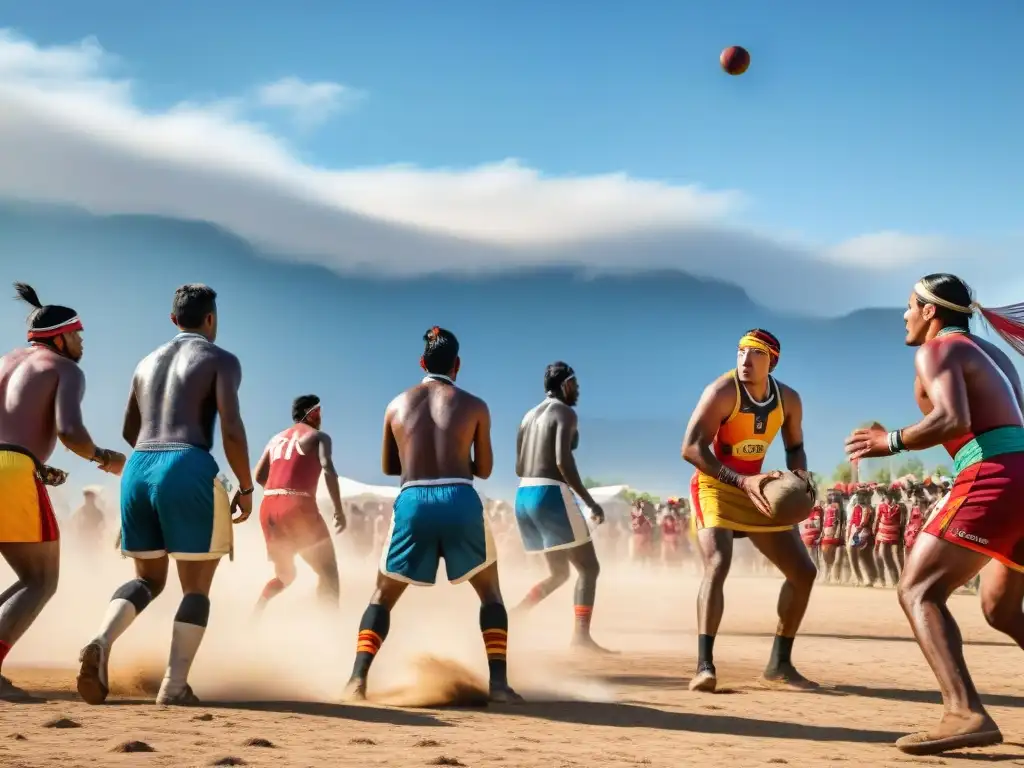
{"x": 984, "y": 510}
{"x": 291, "y": 524}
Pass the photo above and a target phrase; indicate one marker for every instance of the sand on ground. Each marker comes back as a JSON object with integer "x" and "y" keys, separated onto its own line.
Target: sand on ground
{"x": 271, "y": 690}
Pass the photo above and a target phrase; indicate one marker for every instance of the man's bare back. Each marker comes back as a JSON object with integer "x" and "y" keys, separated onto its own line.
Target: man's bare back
{"x": 174, "y": 392}
{"x": 537, "y": 449}
{"x": 433, "y": 428}
{"x": 40, "y": 396}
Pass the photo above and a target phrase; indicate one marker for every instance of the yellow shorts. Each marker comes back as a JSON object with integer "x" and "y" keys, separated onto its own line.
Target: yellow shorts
{"x": 717, "y": 505}
{"x": 26, "y": 515}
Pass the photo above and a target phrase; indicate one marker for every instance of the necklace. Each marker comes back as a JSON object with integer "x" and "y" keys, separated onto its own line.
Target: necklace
{"x": 949, "y": 331}
{"x": 437, "y": 377}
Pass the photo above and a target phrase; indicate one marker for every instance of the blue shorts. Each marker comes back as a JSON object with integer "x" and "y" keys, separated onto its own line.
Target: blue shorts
{"x": 432, "y": 520}
{"x": 172, "y": 504}
{"x": 548, "y": 516}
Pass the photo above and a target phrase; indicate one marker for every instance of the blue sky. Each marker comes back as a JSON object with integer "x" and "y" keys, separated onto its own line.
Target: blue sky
{"x": 859, "y": 151}
{"x": 900, "y": 116}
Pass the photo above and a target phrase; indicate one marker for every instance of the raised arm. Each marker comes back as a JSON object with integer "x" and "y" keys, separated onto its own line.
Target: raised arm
{"x": 483, "y": 452}
{"x": 713, "y": 408}
{"x": 232, "y": 428}
{"x": 566, "y": 424}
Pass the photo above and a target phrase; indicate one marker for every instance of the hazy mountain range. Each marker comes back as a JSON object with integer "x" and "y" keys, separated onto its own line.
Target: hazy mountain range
{"x": 644, "y": 345}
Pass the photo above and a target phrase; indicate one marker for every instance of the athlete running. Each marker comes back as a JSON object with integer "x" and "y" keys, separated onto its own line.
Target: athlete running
{"x": 289, "y": 472}
{"x": 737, "y": 418}
{"x": 41, "y": 390}
{"x": 548, "y": 518}
{"x": 172, "y": 504}
{"x": 972, "y": 400}
{"x": 437, "y": 438}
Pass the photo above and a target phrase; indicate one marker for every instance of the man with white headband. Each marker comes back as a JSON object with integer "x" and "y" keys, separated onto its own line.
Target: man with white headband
{"x": 289, "y": 472}
{"x": 972, "y": 401}
{"x": 738, "y": 417}
{"x": 437, "y": 438}
{"x": 549, "y": 521}
{"x": 41, "y": 390}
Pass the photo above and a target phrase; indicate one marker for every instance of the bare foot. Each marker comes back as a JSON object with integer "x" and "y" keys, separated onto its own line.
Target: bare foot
{"x": 586, "y": 644}
{"x": 92, "y": 675}
{"x": 954, "y": 731}
{"x": 785, "y": 676}
{"x": 705, "y": 681}
{"x": 355, "y": 691}
{"x": 502, "y": 693}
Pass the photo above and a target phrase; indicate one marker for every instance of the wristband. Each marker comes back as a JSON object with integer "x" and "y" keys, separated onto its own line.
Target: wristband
{"x": 100, "y": 456}
{"x": 246, "y": 491}
{"x": 729, "y": 477}
{"x": 896, "y": 444}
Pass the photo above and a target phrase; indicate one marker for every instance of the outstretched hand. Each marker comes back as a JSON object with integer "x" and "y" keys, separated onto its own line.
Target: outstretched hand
{"x": 868, "y": 442}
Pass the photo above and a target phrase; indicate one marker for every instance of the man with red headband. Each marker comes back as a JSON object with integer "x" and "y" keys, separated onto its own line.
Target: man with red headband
{"x": 289, "y": 472}
{"x": 973, "y": 405}
{"x": 737, "y": 418}
{"x": 41, "y": 391}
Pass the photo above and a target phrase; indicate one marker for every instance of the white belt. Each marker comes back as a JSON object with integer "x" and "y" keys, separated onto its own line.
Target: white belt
{"x": 286, "y": 492}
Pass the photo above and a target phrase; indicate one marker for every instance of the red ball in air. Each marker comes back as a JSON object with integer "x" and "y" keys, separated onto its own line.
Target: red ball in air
{"x": 735, "y": 59}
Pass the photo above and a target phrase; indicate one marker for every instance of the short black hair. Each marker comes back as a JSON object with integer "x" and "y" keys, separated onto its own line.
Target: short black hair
{"x": 302, "y": 405}
{"x": 192, "y": 303}
{"x": 440, "y": 351}
{"x": 555, "y": 375}
{"x": 952, "y": 289}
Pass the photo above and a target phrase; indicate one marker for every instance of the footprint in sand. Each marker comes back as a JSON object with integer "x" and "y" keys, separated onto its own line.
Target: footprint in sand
{"x": 428, "y": 743}
{"x": 61, "y": 722}
{"x": 364, "y": 741}
{"x": 229, "y": 761}
{"x": 446, "y": 761}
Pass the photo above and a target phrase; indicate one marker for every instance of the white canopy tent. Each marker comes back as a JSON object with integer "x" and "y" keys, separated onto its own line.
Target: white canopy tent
{"x": 613, "y": 499}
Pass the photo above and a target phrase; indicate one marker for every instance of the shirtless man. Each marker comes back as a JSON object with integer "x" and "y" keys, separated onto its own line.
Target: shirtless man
{"x": 437, "y": 438}
{"x": 737, "y": 418}
{"x": 548, "y": 518}
{"x": 289, "y": 473}
{"x": 641, "y": 539}
{"x": 172, "y": 504}
{"x": 88, "y": 523}
{"x": 972, "y": 401}
{"x": 41, "y": 391}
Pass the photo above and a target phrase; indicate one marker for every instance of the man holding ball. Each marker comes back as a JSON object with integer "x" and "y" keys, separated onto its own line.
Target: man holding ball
{"x": 736, "y": 420}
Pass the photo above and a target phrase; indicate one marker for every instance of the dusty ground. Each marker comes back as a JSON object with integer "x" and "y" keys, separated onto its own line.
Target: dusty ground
{"x": 276, "y": 682}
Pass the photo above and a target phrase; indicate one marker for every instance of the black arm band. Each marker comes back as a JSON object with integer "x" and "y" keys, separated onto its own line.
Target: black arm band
{"x": 246, "y": 491}
{"x": 729, "y": 477}
{"x": 101, "y": 456}
{"x": 795, "y": 448}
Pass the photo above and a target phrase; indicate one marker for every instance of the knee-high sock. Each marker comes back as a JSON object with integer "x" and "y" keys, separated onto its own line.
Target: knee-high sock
{"x": 494, "y": 627}
{"x": 189, "y": 627}
{"x": 373, "y": 630}
{"x": 127, "y": 603}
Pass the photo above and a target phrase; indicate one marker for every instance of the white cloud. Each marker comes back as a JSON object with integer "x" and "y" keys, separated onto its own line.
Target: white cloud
{"x": 71, "y": 132}
{"x": 310, "y": 104}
